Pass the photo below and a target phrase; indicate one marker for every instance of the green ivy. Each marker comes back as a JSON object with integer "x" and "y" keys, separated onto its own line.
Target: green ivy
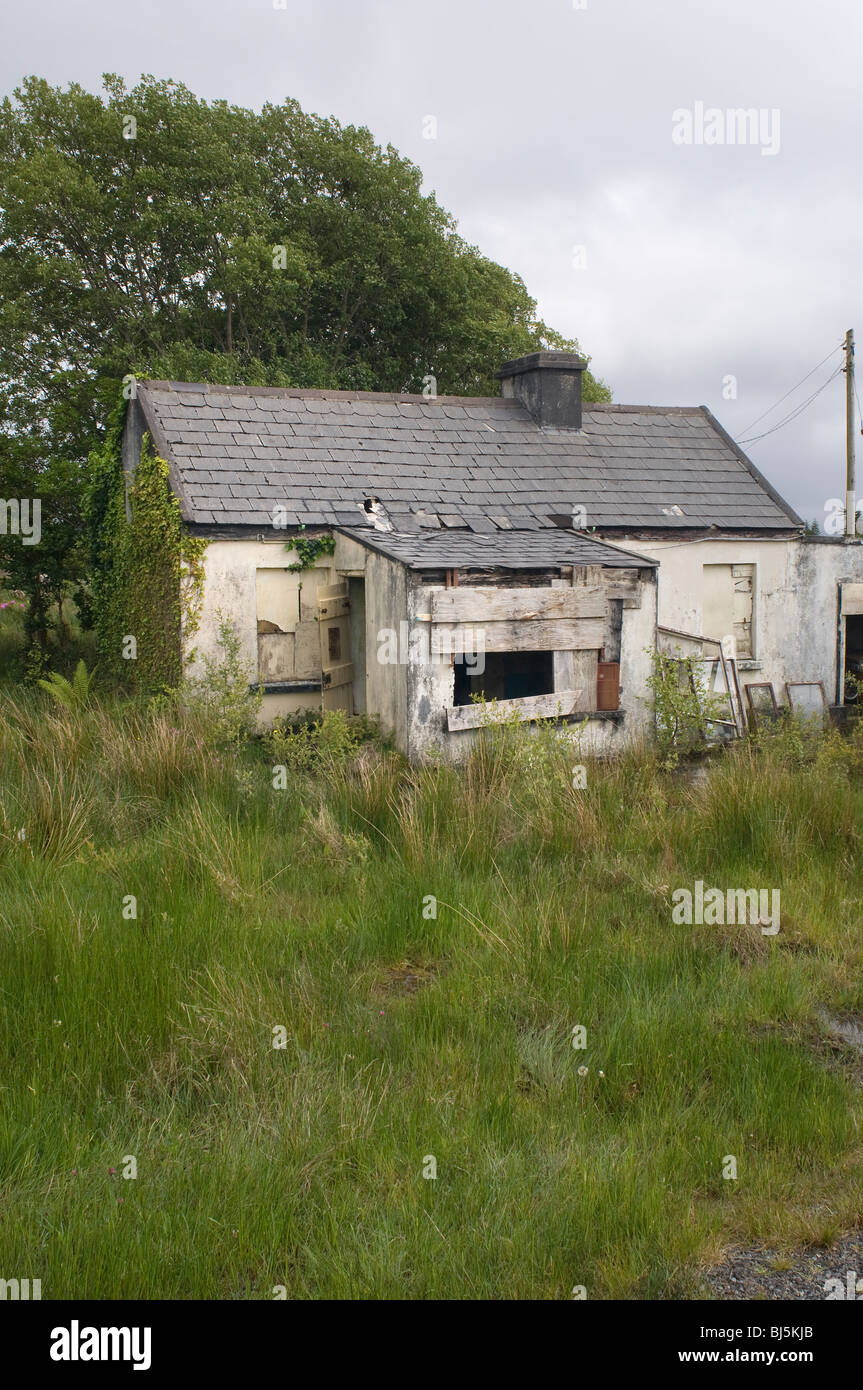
{"x": 308, "y": 549}
{"x": 147, "y": 571}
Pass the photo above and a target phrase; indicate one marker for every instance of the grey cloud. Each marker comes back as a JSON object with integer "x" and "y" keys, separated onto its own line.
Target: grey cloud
{"x": 554, "y": 129}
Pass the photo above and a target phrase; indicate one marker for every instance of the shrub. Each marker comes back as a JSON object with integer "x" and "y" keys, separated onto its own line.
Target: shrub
{"x": 224, "y": 694}
{"x": 309, "y": 740}
{"x": 682, "y": 705}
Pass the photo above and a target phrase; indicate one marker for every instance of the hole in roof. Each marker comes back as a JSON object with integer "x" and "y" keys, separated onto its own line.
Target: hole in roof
{"x": 673, "y": 510}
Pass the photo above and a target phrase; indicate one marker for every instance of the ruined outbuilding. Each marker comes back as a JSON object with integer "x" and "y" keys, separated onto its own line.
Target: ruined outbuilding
{"x": 528, "y": 548}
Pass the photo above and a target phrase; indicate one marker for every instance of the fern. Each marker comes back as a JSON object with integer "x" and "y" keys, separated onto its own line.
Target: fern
{"x": 74, "y": 694}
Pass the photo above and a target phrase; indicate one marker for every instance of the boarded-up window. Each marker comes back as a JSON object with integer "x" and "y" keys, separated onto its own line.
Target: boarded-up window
{"x": 728, "y": 605}
{"x": 288, "y": 645}
{"x": 506, "y": 676}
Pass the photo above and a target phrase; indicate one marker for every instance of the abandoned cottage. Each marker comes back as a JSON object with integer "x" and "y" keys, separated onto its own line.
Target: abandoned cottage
{"x": 528, "y": 548}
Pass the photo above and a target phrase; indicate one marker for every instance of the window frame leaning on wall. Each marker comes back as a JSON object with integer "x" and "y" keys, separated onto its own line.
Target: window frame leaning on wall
{"x": 716, "y": 660}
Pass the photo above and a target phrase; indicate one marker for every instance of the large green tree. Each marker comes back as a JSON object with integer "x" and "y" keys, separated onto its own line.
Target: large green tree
{"x": 147, "y": 231}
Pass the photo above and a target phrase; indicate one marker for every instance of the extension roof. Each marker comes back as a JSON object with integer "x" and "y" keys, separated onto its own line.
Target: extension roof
{"x": 509, "y": 550}
{"x": 450, "y": 471}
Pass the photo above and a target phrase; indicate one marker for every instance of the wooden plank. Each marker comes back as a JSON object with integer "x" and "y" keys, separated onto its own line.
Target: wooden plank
{"x": 307, "y": 651}
{"x": 585, "y": 668}
{"x": 275, "y": 656}
{"x": 564, "y": 671}
{"x": 337, "y": 675}
{"x": 338, "y": 607}
{"x": 563, "y": 664}
{"x": 852, "y": 598}
{"x": 485, "y": 605}
{"x": 626, "y": 590}
{"x": 535, "y": 707}
{"x": 335, "y": 639}
{"x": 561, "y": 635}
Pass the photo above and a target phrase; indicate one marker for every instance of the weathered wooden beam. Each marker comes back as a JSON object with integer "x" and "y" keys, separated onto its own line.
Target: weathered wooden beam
{"x": 523, "y": 635}
{"x": 338, "y": 607}
{"x": 484, "y": 605}
{"x": 337, "y": 675}
{"x": 584, "y": 676}
{"x": 562, "y": 702}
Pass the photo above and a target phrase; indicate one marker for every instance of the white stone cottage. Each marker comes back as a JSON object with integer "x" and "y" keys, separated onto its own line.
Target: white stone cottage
{"x": 522, "y": 546}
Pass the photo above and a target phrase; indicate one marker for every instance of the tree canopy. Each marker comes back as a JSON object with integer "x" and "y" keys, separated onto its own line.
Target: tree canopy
{"x": 147, "y": 231}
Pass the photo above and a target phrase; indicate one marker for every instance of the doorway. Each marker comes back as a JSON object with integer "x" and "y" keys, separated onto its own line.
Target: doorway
{"x": 853, "y": 673}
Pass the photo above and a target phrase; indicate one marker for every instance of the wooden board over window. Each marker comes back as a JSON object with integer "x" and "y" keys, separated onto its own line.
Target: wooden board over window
{"x": 728, "y": 605}
{"x": 287, "y": 622}
{"x": 522, "y": 635}
{"x": 482, "y": 605}
{"x": 561, "y": 703}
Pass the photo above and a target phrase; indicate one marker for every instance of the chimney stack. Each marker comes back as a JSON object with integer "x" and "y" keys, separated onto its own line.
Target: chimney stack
{"x": 548, "y": 384}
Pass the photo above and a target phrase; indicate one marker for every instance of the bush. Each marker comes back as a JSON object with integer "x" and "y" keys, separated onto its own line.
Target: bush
{"x": 224, "y": 694}
{"x": 309, "y": 740}
{"x": 682, "y": 705}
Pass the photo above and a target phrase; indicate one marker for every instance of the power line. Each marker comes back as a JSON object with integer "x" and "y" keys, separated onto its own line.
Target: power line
{"x": 839, "y": 347}
{"x": 793, "y": 414}
{"x": 798, "y": 410}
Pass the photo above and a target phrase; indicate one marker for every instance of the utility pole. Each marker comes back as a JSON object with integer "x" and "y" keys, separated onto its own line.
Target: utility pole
{"x": 850, "y": 501}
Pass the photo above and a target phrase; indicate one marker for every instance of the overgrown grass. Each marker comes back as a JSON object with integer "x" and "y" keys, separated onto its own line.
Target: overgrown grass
{"x": 307, "y": 909}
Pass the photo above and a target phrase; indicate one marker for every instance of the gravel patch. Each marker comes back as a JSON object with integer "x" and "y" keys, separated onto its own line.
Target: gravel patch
{"x": 753, "y": 1273}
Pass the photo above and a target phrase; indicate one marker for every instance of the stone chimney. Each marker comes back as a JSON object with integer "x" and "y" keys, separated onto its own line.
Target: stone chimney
{"x": 548, "y": 384}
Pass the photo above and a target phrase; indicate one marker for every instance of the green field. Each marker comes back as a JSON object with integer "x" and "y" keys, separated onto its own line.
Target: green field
{"x": 412, "y": 1036}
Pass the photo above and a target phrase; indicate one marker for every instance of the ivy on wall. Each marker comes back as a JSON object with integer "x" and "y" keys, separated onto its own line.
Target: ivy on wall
{"x": 147, "y": 571}
{"x": 308, "y": 549}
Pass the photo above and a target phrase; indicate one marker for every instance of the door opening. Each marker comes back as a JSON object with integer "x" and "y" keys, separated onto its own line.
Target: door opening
{"x": 853, "y": 673}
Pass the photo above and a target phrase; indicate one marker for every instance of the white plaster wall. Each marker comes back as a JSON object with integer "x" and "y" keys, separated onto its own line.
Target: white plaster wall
{"x": 795, "y": 627}
{"x": 229, "y": 585}
{"x": 795, "y": 617}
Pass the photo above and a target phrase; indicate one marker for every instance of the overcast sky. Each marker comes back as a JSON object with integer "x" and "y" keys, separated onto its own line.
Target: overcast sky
{"x": 676, "y": 265}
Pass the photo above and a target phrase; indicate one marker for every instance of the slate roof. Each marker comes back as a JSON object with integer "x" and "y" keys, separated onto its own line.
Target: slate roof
{"x": 483, "y": 464}
{"x": 513, "y": 550}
